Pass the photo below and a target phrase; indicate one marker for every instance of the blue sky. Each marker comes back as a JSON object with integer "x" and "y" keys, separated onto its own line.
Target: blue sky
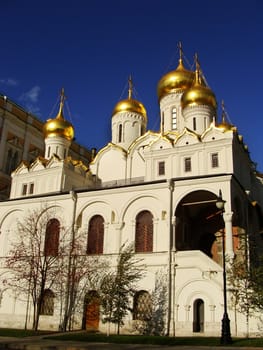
{"x": 91, "y": 47}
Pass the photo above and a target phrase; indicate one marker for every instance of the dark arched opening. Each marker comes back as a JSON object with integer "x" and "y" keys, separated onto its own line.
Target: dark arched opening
{"x": 198, "y": 317}
{"x": 197, "y": 221}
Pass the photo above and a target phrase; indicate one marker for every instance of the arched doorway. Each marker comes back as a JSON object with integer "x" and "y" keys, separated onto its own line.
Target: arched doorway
{"x": 198, "y": 317}
{"x": 197, "y": 221}
{"x": 91, "y": 311}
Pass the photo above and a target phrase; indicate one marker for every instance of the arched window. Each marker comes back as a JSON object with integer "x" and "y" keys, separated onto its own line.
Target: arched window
{"x": 142, "y": 306}
{"x": 174, "y": 118}
{"x": 52, "y": 238}
{"x": 144, "y": 232}
{"x": 47, "y": 306}
{"x": 95, "y": 235}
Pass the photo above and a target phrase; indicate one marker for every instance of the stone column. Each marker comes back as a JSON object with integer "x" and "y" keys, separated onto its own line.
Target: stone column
{"x": 228, "y": 233}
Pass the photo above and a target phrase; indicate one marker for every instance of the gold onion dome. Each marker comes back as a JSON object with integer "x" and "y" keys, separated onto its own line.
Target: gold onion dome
{"x": 177, "y": 80}
{"x": 59, "y": 126}
{"x": 130, "y": 104}
{"x": 198, "y": 94}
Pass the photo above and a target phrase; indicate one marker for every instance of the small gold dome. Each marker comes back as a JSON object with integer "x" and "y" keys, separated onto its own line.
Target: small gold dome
{"x": 130, "y": 104}
{"x": 224, "y": 124}
{"x": 199, "y": 94}
{"x": 59, "y": 126}
{"x": 180, "y": 79}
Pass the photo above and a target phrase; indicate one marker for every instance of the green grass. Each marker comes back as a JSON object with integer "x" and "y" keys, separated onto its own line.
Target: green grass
{"x": 156, "y": 340}
{"x": 20, "y": 333}
{"x": 83, "y": 336}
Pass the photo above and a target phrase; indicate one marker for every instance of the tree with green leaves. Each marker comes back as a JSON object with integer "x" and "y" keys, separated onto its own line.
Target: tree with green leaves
{"x": 119, "y": 285}
{"x": 245, "y": 280}
{"x": 153, "y": 318}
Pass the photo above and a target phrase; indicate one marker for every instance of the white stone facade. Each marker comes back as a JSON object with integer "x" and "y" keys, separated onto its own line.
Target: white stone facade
{"x": 175, "y": 175}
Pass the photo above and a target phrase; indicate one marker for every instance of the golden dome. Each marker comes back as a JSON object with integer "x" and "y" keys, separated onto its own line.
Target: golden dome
{"x": 199, "y": 94}
{"x": 177, "y": 80}
{"x": 224, "y": 124}
{"x": 130, "y": 104}
{"x": 59, "y": 126}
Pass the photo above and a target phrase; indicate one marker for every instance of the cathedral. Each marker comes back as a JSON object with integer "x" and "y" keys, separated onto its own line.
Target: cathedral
{"x": 159, "y": 190}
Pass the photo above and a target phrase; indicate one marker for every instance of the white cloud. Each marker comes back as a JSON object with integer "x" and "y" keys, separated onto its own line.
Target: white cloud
{"x": 9, "y": 82}
{"x": 33, "y": 109}
{"x": 30, "y": 99}
{"x": 31, "y": 96}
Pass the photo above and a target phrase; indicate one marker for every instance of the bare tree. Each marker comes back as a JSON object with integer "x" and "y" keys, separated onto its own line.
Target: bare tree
{"x": 33, "y": 262}
{"x": 79, "y": 274}
{"x": 119, "y": 285}
{"x": 44, "y": 255}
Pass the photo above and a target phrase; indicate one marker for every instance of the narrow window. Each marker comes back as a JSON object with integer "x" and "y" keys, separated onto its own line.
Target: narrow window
{"x": 56, "y": 150}
{"x": 8, "y": 167}
{"x": 120, "y": 133}
{"x": 47, "y": 305}
{"x": 95, "y": 235}
{"x": 52, "y": 238}
{"x": 144, "y": 232}
{"x": 174, "y": 118}
{"x": 205, "y": 123}
{"x": 162, "y": 123}
{"x": 48, "y": 152}
{"x": 31, "y": 188}
{"x": 194, "y": 123}
{"x": 214, "y": 160}
{"x": 187, "y": 164}
{"x": 14, "y": 161}
{"x": 65, "y": 153}
{"x": 161, "y": 168}
{"x": 24, "y": 189}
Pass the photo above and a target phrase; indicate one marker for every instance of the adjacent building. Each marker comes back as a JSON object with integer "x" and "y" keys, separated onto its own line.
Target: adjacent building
{"x": 21, "y": 138}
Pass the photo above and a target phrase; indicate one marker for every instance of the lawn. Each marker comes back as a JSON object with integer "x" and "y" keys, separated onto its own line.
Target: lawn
{"x": 156, "y": 340}
{"x": 132, "y": 339}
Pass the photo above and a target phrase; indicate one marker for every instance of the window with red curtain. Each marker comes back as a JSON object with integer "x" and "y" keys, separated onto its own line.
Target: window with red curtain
{"x": 52, "y": 238}
{"x": 95, "y": 235}
{"x": 144, "y": 232}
